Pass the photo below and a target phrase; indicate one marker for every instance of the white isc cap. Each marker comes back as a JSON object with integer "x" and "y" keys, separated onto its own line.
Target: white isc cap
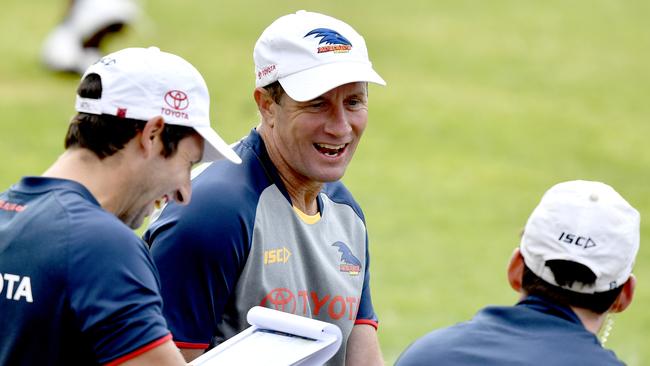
{"x": 587, "y": 223}
{"x": 310, "y": 54}
{"x": 142, "y": 83}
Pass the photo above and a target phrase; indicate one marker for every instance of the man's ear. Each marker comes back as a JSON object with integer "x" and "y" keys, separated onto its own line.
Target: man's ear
{"x": 265, "y": 104}
{"x": 624, "y": 299}
{"x": 516, "y": 270}
{"x": 151, "y": 131}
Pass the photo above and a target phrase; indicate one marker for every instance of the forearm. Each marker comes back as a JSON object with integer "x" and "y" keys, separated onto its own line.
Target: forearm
{"x": 191, "y": 353}
{"x": 363, "y": 347}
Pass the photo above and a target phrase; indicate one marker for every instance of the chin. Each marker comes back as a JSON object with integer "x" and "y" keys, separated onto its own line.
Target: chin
{"x": 329, "y": 176}
{"x": 135, "y": 224}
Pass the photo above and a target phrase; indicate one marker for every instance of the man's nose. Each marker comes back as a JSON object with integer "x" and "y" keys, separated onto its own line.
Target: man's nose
{"x": 184, "y": 193}
{"x": 338, "y": 123}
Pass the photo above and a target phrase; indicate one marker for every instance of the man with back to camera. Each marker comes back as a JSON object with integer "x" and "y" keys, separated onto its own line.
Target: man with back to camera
{"x": 280, "y": 230}
{"x": 77, "y": 286}
{"x": 572, "y": 268}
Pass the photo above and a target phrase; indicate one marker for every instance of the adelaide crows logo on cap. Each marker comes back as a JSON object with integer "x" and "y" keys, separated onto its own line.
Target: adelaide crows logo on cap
{"x": 349, "y": 263}
{"x": 333, "y": 40}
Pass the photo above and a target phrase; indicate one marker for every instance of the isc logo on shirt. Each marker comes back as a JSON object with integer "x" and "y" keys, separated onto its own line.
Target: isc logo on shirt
{"x": 277, "y": 255}
{"x": 16, "y": 287}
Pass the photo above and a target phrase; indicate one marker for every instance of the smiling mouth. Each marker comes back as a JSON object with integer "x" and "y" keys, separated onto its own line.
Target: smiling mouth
{"x": 330, "y": 150}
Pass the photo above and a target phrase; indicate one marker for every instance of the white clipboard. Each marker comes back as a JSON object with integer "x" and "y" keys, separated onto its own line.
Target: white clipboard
{"x": 276, "y": 338}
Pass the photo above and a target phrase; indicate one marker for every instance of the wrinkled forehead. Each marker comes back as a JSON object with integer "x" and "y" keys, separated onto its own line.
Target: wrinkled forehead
{"x": 359, "y": 88}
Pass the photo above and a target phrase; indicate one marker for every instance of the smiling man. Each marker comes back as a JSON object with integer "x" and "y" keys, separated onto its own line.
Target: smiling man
{"x": 280, "y": 230}
{"x": 77, "y": 286}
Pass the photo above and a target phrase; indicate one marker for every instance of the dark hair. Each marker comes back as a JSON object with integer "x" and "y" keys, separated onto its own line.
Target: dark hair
{"x": 567, "y": 273}
{"x": 106, "y": 134}
{"x": 276, "y": 91}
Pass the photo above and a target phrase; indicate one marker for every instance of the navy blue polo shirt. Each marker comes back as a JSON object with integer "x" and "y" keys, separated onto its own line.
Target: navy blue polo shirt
{"x": 534, "y": 332}
{"x": 77, "y": 286}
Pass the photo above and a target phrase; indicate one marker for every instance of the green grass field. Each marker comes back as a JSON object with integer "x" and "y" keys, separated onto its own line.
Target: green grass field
{"x": 488, "y": 104}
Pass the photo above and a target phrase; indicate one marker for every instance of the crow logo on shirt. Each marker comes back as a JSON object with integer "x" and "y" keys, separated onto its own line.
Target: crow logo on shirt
{"x": 349, "y": 262}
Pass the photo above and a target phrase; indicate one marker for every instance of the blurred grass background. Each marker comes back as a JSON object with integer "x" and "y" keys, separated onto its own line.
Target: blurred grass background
{"x": 488, "y": 104}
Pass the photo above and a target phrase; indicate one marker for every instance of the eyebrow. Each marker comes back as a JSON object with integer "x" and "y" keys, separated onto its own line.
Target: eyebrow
{"x": 359, "y": 94}
{"x": 362, "y": 94}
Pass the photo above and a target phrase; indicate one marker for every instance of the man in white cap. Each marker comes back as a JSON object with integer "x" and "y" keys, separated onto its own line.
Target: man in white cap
{"x": 572, "y": 268}
{"x": 280, "y": 230}
{"x": 79, "y": 286}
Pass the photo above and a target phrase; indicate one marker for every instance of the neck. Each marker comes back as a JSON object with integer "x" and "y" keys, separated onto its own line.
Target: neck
{"x": 302, "y": 191}
{"x": 592, "y": 321}
{"x": 589, "y": 319}
{"x": 303, "y": 198}
{"x": 104, "y": 178}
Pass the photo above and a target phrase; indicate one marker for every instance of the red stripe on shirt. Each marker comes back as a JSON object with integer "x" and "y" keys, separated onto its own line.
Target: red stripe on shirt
{"x": 368, "y": 322}
{"x": 191, "y": 345}
{"x": 140, "y": 351}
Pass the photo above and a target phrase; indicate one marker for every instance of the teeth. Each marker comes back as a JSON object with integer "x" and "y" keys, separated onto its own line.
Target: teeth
{"x": 330, "y": 150}
{"x": 331, "y": 147}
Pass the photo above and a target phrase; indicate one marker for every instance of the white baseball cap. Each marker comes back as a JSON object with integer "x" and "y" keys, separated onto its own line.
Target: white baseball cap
{"x": 141, "y": 83}
{"x": 310, "y": 54}
{"x": 584, "y": 222}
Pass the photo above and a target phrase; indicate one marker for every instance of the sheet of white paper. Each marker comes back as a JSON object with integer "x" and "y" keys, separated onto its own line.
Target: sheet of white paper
{"x": 289, "y": 323}
{"x": 266, "y": 348}
{"x": 276, "y": 338}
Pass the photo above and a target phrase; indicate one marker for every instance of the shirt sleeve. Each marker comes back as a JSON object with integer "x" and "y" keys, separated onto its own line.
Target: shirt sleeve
{"x": 366, "y": 313}
{"x": 200, "y": 251}
{"x": 114, "y": 291}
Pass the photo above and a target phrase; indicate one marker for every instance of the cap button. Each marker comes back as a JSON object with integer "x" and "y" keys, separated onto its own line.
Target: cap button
{"x": 593, "y": 197}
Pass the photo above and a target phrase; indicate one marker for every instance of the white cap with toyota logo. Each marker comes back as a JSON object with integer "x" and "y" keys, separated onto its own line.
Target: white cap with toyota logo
{"x": 141, "y": 83}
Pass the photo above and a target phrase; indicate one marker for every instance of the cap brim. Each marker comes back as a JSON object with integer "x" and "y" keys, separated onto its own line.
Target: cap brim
{"x": 311, "y": 83}
{"x": 215, "y": 147}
